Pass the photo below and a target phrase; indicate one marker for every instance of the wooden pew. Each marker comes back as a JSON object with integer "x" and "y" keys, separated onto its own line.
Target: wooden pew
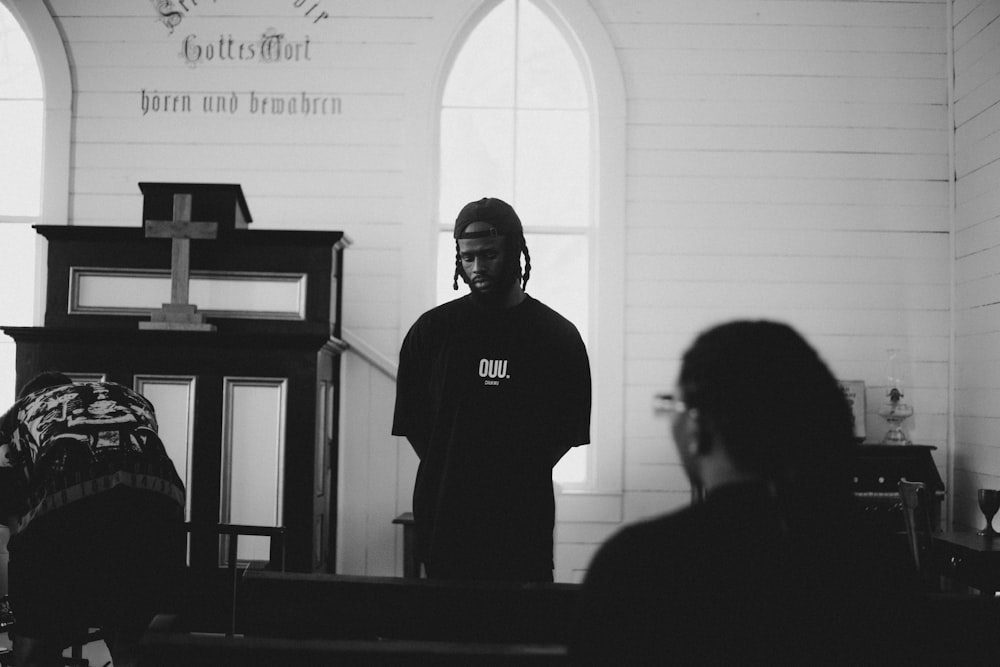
{"x": 316, "y": 619}
{"x": 168, "y": 644}
{"x": 313, "y": 619}
{"x": 350, "y": 607}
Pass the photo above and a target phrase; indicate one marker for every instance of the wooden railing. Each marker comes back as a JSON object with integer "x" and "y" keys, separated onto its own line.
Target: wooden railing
{"x": 360, "y": 347}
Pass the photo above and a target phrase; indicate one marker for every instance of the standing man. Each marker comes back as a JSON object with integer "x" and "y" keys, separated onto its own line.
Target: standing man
{"x": 96, "y": 512}
{"x": 493, "y": 389}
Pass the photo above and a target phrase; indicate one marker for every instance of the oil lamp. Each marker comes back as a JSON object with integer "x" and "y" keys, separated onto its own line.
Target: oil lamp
{"x": 895, "y": 410}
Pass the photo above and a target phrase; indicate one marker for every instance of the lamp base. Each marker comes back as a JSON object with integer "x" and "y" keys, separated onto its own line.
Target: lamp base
{"x": 895, "y": 436}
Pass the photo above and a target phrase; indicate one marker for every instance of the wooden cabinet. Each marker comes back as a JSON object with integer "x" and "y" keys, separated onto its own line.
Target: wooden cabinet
{"x": 249, "y": 411}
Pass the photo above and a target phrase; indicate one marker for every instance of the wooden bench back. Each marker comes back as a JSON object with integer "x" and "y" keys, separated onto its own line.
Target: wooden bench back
{"x": 295, "y": 605}
{"x": 166, "y": 644}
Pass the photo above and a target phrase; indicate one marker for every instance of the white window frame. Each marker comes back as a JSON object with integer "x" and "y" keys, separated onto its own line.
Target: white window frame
{"x": 53, "y": 63}
{"x": 57, "y": 86}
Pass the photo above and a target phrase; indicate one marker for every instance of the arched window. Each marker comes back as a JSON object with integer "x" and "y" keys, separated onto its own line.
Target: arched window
{"x": 21, "y": 115}
{"x": 516, "y": 124}
{"x": 35, "y": 108}
{"x": 21, "y": 121}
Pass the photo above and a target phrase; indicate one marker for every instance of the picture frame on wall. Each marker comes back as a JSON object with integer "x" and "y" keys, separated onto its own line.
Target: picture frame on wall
{"x": 854, "y": 392}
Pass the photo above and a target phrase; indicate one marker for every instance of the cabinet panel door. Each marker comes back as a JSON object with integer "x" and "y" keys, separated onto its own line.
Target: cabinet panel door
{"x": 253, "y": 457}
{"x": 173, "y": 398}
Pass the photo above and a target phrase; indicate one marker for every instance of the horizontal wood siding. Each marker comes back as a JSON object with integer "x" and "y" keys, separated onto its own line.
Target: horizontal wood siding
{"x": 977, "y": 253}
{"x": 341, "y": 171}
{"x": 142, "y": 113}
{"x": 786, "y": 160}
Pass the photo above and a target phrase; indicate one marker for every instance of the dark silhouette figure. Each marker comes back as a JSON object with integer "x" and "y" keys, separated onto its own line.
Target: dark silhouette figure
{"x": 95, "y": 509}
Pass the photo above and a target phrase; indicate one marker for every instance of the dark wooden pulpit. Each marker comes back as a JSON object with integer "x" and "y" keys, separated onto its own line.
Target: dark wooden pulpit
{"x": 246, "y": 383}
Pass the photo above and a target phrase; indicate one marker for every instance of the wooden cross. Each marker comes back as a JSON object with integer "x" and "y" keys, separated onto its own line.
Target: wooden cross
{"x": 179, "y": 314}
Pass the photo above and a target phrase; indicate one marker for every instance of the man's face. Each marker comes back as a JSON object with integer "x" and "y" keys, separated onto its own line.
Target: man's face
{"x": 681, "y": 428}
{"x": 484, "y": 263}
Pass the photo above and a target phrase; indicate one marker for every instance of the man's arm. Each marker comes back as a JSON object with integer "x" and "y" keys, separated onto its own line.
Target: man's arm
{"x": 419, "y": 445}
{"x": 559, "y": 453}
{"x": 411, "y": 409}
{"x": 572, "y": 412}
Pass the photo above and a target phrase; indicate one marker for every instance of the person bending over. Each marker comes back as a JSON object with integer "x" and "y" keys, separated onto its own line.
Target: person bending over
{"x": 95, "y": 508}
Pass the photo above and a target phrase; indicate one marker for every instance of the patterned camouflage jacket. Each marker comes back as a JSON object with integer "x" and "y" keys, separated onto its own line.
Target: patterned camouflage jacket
{"x": 64, "y": 443}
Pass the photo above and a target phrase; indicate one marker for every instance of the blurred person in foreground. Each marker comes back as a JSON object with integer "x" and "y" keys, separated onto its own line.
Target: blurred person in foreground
{"x": 769, "y": 567}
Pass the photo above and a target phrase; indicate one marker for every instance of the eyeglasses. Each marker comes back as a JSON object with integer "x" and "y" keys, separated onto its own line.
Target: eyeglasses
{"x": 670, "y": 403}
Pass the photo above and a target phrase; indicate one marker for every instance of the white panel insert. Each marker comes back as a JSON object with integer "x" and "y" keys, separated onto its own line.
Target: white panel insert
{"x": 253, "y": 458}
{"x": 173, "y": 398}
{"x": 261, "y": 295}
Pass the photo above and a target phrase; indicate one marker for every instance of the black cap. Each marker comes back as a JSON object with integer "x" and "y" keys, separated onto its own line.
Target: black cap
{"x": 494, "y": 212}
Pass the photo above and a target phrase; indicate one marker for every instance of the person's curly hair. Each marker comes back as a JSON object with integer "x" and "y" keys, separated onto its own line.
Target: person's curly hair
{"x": 778, "y": 407}
{"x": 44, "y": 380}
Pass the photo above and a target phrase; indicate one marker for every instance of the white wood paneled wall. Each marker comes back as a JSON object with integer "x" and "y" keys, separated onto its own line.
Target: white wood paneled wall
{"x": 346, "y": 172}
{"x": 977, "y": 253}
{"x": 334, "y": 172}
{"x": 785, "y": 159}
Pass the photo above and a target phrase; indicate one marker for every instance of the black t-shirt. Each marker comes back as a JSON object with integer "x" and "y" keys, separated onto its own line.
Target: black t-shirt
{"x": 493, "y": 395}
